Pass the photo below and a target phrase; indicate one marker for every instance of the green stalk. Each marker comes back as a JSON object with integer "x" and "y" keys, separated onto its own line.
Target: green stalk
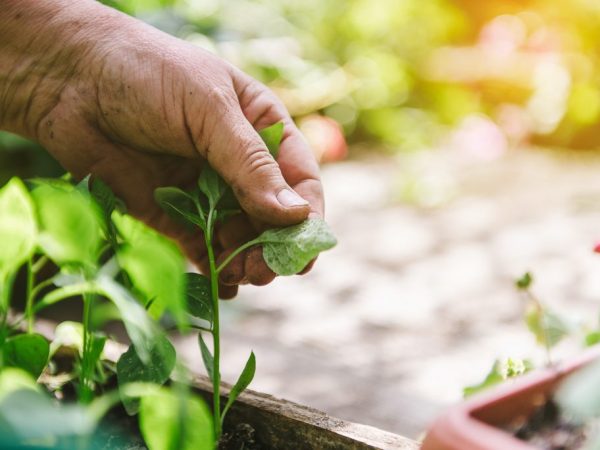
{"x": 6, "y": 281}
{"x": 85, "y": 390}
{"x": 538, "y": 305}
{"x": 236, "y": 252}
{"x": 30, "y": 293}
{"x": 214, "y": 291}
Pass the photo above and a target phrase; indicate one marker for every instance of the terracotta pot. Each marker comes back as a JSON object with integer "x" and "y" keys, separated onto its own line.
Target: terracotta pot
{"x": 477, "y": 423}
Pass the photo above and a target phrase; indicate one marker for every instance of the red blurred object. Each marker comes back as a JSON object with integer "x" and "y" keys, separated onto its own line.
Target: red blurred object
{"x": 476, "y": 424}
{"x": 597, "y": 247}
{"x": 325, "y": 136}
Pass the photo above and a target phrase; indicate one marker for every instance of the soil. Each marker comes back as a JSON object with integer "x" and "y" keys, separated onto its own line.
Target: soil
{"x": 548, "y": 429}
{"x": 242, "y": 437}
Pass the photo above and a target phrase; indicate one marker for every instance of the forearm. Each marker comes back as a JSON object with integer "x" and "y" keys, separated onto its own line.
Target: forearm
{"x": 43, "y": 45}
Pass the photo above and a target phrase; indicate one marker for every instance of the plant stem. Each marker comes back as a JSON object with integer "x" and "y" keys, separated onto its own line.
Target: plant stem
{"x": 214, "y": 292}
{"x": 37, "y": 266}
{"x": 85, "y": 390}
{"x": 30, "y": 293}
{"x": 236, "y": 252}
{"x": 538, "y": 305}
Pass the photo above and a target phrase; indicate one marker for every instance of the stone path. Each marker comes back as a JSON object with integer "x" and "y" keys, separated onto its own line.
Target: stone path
{"x": 417, "y": 300}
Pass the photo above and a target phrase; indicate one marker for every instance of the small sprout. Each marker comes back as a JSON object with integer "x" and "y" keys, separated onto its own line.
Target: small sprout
{"x": 515, "y": 367}
{"x": 525, "y": 281}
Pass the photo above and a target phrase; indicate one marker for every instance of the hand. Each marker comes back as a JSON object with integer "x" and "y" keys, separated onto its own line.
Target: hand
{"x": 108, "y": 95}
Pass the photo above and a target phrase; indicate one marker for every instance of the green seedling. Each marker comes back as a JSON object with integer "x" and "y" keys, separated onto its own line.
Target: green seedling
{"x": 286, "y": 251}
{"x": 548, "y": 327}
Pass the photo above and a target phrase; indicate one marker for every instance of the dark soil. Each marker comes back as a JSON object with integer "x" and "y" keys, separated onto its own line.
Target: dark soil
{"x": 242, "y": 437}
{"x": 548, "y": 429}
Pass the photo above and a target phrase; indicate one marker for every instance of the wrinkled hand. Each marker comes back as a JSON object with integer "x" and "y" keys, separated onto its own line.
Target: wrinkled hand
{"x": 108, "y": 95}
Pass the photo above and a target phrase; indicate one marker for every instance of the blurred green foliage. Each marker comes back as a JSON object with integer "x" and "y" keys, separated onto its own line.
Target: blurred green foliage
{"x": 403, "y": 73}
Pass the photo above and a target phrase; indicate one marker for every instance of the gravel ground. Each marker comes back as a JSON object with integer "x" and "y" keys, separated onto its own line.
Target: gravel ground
{"x": 417, "y": 299}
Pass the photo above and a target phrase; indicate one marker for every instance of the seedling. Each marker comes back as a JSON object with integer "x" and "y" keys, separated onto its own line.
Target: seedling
{"x": 286, "y": 251}
{"x": 100, "y": 254}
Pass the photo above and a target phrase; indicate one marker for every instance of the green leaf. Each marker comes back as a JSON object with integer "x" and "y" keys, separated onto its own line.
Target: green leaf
{"x": 212, "y": 185}
{"x": 130, "y": 368}
{"x": 180, "y": 205}
{"x": 34, "y": 417}
{"x": 592, "y": 338}
{"x": 547, "y": 327}
{"x": 287, "y": 251}
{"x": 140, "y": 328}
{"x": 155, "y": 265}
{"x": 207, "y": 357}
{"x": 525, "y": 281}
{"x": 199, "y": 302}
{"x": 242, "y": 383}
{"x": 68, "y": 334}
{"x": 500, "y": 371}
{"x": 28, "y": 352}
{"x": 14, "y": 379}
{"x": 272, "y": 137}
{"x": 107, "y": 201}
{"x": 18, "y": 227}
{"x": 56, "y": 183}
{"x": 98, "y": 341}
{"x": 172, "y": 421}
{"x": 69, "y": 224}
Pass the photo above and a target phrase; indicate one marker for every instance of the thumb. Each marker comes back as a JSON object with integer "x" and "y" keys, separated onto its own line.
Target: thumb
{"x": 238, "y": 154}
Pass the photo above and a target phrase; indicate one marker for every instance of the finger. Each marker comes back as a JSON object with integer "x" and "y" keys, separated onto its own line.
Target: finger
{"x": 301, "y": 170}
{"x": 235, "y": 231}
{"x": 296, "y": 160}
{"x": 233, "y": 273}
{"x": 236, "y": 151}
{"x": 257, "y": 271}
{"x": 227, "y": 292}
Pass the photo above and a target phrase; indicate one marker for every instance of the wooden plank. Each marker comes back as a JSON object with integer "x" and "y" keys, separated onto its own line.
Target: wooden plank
{"x": 281, "y": 424}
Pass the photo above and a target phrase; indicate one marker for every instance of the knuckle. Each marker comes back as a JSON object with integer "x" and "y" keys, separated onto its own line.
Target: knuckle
{"x": 257, "y": 160}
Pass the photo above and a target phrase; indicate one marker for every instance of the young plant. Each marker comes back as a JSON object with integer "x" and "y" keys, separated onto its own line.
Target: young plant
{"x": 548, "y": 327}
{"x": 99, "y": 254}
{"x": 286, "y": 251}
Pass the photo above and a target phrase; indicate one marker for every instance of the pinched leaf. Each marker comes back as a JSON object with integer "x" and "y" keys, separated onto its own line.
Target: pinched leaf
{"x": 170, "y": 420}
{"x": 130, "y": 368}
{"x": 242, "y": 383}
{"x": 198, "y": 296}
{"x": 288, "y": 250}
{"x": 18, "y": 227}
{"x": 207, "y": 357}
{"x": 180, "y": 205}
{"x": 272, "y": 137}
{"x": 155, "y": 265}
{"x": 212, "y": 185}
{"x": 547, "y": 327}
{"x": 28, "y": 352}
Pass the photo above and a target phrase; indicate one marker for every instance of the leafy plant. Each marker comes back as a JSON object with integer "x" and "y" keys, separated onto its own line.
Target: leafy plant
{"x": 98, "y": 254}
{"x": 286, "y": 251}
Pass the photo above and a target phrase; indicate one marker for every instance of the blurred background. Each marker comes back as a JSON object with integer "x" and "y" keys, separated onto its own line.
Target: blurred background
{"x": 459, "y": 143}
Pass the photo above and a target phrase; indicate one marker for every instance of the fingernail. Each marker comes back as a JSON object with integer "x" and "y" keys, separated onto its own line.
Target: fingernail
{"x": 290, "y": 199}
